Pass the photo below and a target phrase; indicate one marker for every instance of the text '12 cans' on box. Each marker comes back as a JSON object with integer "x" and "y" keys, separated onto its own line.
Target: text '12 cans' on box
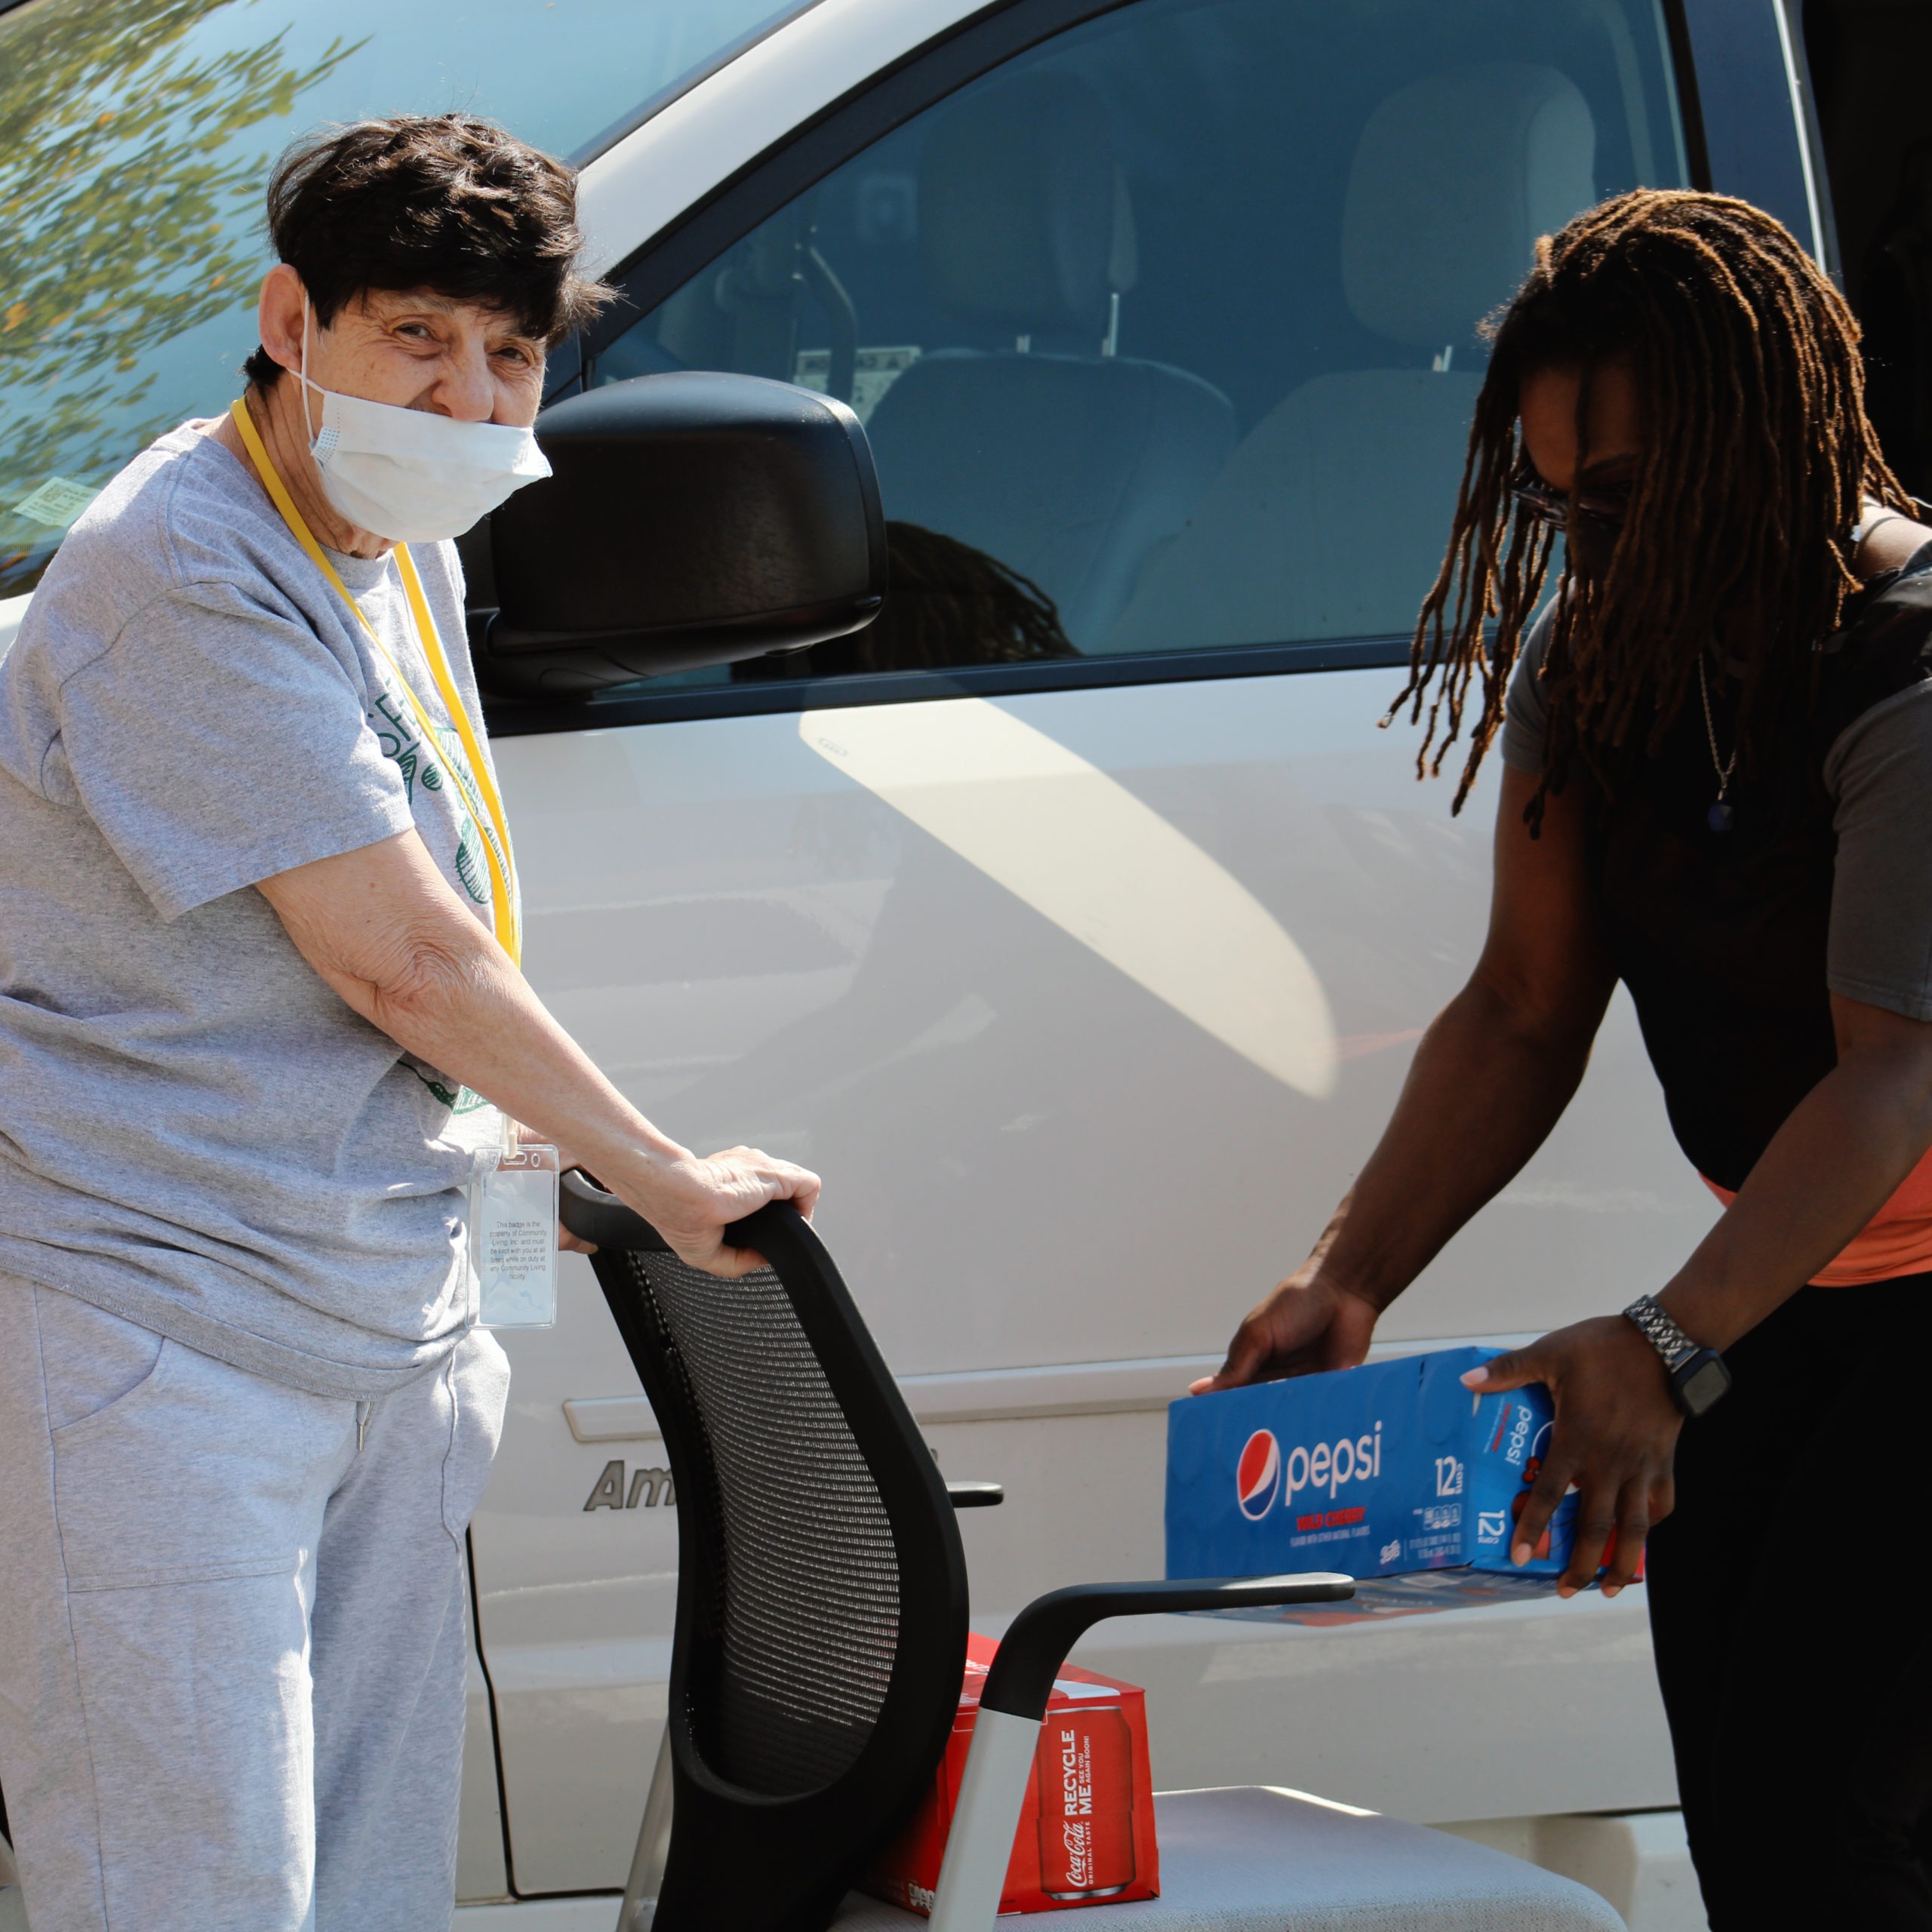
{"x": 1393, "y": 1473}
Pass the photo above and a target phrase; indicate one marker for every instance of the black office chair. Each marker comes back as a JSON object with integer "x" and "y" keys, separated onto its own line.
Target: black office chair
{"x": 821, "y": 1628}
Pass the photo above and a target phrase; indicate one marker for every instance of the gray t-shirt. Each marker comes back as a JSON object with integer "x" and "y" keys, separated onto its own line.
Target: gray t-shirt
{"x": 195, "y": 1132}
{"x": 1879, "y": 775}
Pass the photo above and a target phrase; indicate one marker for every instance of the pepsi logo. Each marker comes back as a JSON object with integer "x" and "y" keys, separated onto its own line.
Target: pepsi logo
{"x": 1258, "y": 1475}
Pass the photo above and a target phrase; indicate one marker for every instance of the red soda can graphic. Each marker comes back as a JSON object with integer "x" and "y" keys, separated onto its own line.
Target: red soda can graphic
{"x": 1085, "y": 1760}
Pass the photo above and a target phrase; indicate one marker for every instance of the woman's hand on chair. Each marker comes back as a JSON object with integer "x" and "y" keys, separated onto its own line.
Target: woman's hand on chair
{"x": 691, "y": 1200}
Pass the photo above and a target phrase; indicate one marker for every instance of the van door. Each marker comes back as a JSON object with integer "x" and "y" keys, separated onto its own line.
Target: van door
{"x": 1077, "y": 920}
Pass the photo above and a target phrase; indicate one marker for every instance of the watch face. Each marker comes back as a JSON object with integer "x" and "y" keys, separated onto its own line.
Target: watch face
{"x": 1705, "y": 1383}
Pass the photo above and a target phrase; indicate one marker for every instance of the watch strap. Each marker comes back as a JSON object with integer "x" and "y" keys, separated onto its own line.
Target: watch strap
{"x": 1661, "y": 1332}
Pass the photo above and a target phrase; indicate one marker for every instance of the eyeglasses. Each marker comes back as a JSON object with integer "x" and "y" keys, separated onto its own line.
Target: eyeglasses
{"x": 1609, "y": 506}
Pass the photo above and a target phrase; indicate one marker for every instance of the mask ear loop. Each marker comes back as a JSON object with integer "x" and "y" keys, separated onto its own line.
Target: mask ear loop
{"x": 308, "y": 422}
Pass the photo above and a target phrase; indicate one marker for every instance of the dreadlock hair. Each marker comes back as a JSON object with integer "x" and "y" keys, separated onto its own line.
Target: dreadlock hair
{"x": 1757, "y": 459}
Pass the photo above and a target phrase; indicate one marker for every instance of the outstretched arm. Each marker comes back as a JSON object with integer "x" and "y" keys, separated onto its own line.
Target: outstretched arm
{"x": 1490, "y": 1079}
{"x": 383, "y": 927}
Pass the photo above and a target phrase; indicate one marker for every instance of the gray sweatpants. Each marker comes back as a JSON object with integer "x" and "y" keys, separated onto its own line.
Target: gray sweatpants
{"x": 232, "y": 1640}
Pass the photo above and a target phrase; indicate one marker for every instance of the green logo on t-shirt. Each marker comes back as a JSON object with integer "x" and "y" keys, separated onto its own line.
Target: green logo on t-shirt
{"x": 401, "y": 742}
{"x": 458, "y": 1099}
{"x": 470, "y": 863}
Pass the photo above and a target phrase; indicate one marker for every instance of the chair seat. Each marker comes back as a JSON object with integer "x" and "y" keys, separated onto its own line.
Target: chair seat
{"x": 1255, "y": 1859}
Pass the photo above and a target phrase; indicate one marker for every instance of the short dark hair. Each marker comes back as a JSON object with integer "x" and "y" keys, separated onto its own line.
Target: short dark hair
{"x": 448, "y": 202}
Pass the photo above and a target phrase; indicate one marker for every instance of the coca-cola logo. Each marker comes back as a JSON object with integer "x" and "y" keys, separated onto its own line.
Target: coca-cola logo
{"x": 1079, "y": 1840}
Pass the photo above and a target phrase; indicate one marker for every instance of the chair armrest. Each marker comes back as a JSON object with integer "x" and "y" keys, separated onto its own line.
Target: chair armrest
{"x": 975, "y": 1495}
{"x": 1037, "y": 1641}
{"x": 1007, "y": 1730}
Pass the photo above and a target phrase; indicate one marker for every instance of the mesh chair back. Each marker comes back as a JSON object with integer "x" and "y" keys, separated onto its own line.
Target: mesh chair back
{"x": 821, "y": 1628}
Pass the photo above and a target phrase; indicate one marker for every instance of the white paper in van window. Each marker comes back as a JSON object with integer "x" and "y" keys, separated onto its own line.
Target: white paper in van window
{"x": 57, "y": 502}
{"x": 875, "y": 371}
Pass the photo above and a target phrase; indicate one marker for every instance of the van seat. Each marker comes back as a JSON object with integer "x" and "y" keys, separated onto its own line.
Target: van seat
{"x": 1331, "y": 519}
{"x": 1067, "y": 465}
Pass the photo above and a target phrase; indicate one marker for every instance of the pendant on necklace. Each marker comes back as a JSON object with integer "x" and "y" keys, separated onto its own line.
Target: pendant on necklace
{"x": 1719, "y": 818}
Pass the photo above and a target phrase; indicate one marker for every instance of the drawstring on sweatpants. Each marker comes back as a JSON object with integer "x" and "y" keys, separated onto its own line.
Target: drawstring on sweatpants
{"x": 364, "y": 1410}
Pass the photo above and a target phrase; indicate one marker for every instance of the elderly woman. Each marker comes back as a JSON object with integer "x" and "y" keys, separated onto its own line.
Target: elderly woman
{"x": 261, "y": 1024}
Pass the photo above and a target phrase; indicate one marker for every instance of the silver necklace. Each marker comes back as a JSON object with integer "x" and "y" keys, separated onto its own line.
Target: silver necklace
{"x": 1720, "y": 816}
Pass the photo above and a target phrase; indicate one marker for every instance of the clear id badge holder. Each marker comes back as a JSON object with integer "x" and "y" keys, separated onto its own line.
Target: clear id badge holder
{"x": 513, "y": 1236}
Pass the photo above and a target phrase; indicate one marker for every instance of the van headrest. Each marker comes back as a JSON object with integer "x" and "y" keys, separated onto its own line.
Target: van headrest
{"x": 1024, "y": 220}
{"x": 1455, "y": 177}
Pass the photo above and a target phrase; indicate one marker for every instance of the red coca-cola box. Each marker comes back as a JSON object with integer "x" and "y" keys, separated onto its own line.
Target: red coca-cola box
{"x": 1086, "y": 1833}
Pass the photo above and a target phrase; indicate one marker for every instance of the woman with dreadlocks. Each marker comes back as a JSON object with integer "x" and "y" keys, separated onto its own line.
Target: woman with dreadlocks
{"x": 1717, "y": 744}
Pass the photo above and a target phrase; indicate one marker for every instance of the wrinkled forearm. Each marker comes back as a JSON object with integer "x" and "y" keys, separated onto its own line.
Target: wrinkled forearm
{"x": 385, "y": 931}
{"x": 461, "y": 1006}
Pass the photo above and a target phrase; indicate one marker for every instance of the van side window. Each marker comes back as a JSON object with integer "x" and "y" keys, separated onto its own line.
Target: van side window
{"x": 1167, "y": 333}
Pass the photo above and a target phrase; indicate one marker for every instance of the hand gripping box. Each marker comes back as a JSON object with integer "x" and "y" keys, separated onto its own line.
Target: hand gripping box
{"x": 1387, "y": 1470}
{"x": 1086, "y": 1833}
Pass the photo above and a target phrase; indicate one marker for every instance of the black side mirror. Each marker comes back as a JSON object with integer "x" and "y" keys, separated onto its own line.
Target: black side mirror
{"x": 692, "y": 519}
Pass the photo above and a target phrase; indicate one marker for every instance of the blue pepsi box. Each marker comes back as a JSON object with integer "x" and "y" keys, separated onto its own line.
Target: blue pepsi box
{"x": 1383, "y": 1471}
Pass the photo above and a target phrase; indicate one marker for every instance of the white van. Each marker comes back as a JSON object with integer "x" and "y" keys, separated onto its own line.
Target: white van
{"x": 1077, "y": 921}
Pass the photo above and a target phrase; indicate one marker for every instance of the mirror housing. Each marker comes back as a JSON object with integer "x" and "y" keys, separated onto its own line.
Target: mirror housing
{"x": 691, "y": 519}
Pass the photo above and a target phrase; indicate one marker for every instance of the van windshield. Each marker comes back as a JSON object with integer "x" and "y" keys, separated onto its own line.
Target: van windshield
{"x": 136, "y": 136}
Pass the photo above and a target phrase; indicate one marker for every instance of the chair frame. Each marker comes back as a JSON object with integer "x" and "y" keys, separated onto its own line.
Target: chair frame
{"x": 671, "y": 1888}
{"x": 790, "y": 1875}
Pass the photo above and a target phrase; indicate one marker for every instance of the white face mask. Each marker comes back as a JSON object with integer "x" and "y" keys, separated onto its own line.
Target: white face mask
{"x": 407, "y": 475}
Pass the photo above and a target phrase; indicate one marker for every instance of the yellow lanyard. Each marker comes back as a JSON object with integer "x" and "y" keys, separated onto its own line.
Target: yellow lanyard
{"x": 479, "y": 790}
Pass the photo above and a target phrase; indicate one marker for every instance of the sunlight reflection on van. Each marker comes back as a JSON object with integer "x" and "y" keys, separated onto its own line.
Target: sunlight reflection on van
{"x": 1084, "y": 852}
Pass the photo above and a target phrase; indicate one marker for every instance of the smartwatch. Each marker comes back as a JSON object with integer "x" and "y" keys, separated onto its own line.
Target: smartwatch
{"x": 1698, "y": 1377}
